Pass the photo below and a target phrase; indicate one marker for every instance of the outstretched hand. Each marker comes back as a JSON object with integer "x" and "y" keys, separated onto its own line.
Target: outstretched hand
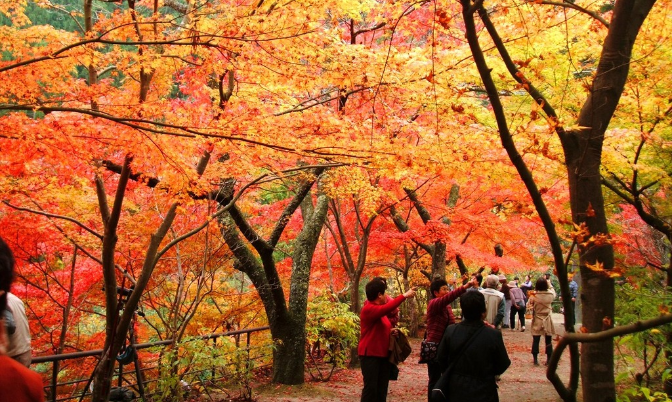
{"x": 410, "y": 293}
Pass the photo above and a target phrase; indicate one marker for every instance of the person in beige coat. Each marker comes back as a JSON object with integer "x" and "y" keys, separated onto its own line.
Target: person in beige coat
{"x": 542, "y": 324}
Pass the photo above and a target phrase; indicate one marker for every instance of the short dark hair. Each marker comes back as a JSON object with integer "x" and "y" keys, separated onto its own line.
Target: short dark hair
{"x": 473, "y": 305}
{"x": 375, "y": 287}
{"x": 542, "y": 284}
{"x": 437, "y": 284}
{"x": 381, "y": 279}
{"x": 6, "y": 272}
{"x": 478, "y": 277}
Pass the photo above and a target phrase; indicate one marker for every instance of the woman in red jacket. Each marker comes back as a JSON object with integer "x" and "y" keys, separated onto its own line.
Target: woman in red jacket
{"x": 374, "y": 340}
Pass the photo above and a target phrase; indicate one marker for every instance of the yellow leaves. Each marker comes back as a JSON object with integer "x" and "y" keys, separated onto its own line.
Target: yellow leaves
{"x": 597, "y": 267}
{"x": 583, "y": 237}
{"x": 353, "y": 182}
{"x": 600, "y": 239}
{"x": 580, "y": 232}
{"x": 15, "y": 11}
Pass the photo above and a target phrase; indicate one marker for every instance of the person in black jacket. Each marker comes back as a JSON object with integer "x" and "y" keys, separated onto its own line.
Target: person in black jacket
{"x": 473, "y": 370}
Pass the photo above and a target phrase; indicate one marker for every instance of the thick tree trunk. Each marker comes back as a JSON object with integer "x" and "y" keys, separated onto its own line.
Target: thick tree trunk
{"x": 668, "y": 335}
{"x": 439, "y": 260}
{"x": 287, "y": 319}
{"x": 598, "y": 295}
{"x": 289, "y": 354}
{"x": 583, "y": 155}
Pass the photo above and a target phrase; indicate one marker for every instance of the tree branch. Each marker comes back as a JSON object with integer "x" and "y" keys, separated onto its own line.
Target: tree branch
{"x": 47, "y": 214}
{"x": 576, "y": 7}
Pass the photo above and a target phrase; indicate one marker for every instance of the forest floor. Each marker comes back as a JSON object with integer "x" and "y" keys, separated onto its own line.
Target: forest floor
{"x": 522, "y": 382}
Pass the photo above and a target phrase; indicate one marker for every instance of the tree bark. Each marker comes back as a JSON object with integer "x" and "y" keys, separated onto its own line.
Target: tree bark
{"x": 286, "y": 319}
{"x": 290, "y": 353}
{"x": 583, "y": 156}
{"x": 582, "y": 148}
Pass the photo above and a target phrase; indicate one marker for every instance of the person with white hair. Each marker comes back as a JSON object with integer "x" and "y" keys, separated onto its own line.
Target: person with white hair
{"x": 494, "y": 301}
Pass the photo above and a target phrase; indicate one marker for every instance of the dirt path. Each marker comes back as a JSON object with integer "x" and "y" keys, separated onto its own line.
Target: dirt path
{"x": 520, "y": 383}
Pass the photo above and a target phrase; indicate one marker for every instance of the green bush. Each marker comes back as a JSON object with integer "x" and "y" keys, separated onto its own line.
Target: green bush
{"x": 331, "y": 330}
{"x": 641, "y": 368}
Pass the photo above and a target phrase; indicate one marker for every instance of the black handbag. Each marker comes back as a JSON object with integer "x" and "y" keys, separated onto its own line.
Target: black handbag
{"x": 440, "y": 390}
{"x": 427, "y": 350}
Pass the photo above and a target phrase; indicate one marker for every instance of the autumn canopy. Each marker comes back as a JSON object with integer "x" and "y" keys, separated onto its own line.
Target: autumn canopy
{"x": 229, "y": 161}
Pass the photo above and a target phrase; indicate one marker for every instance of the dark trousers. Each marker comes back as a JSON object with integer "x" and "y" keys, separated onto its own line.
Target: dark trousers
{"x": 434, "y": 373}
{"x": 549, "y": 345}
{"x": 521, "y": 315}
{"x": 376, "y": 373}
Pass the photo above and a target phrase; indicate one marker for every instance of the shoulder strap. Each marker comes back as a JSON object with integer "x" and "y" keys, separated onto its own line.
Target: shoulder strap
{"x": 464, "y": 347}
{"x": 438, "y": 392}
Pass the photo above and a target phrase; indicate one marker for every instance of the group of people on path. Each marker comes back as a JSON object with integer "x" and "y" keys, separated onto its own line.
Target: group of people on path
{"x": 470, "y": 354}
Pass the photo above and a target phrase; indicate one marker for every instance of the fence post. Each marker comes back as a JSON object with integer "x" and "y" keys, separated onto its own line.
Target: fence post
{"x": 54, "y": 377}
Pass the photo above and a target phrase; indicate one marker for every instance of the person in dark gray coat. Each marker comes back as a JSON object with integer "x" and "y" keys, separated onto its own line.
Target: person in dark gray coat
{"x": 476, "y": 368}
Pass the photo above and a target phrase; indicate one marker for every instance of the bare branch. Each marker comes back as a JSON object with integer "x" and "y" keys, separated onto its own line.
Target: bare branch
{"x": 47, "y": 214}
{"x": 576, "y": 7}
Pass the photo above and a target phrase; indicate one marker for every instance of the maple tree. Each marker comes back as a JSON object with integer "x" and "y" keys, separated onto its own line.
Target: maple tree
{"x": 636, "y": 170}
{"x": 582, "y": 152}
{"x": 216, "y": 99}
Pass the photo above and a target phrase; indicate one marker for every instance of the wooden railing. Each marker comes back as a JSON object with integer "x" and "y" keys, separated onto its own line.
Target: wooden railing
{"x": 78, "y": 392}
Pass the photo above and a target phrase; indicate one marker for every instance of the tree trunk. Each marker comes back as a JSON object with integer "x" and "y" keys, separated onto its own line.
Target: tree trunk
{"x": 598, "y": 295}
{"x": 583, "y": 156}
{"x": 287, "y": 319}
{"x": 411, "y": 307}
{"x": 289, "y": 354}
{"x": 668, "y": 333}
{"x": 355, "y": 307}
{"x": 439, "y": 260}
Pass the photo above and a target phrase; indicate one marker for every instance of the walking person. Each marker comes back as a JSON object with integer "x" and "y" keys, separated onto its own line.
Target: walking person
{"x": 507, "y": 300}
{"x": 472, "y": 356}
{"x": 574, "y": 293}
{"x": 494, "y": 301}
{"x": 374, "y": 340}
{"x": 439, "y": 317}
{"x": 17, "y": 383}
{"x": 542, "y": 323}
{"x": 526, "y": 286}
{"x": 517, "y": 306}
